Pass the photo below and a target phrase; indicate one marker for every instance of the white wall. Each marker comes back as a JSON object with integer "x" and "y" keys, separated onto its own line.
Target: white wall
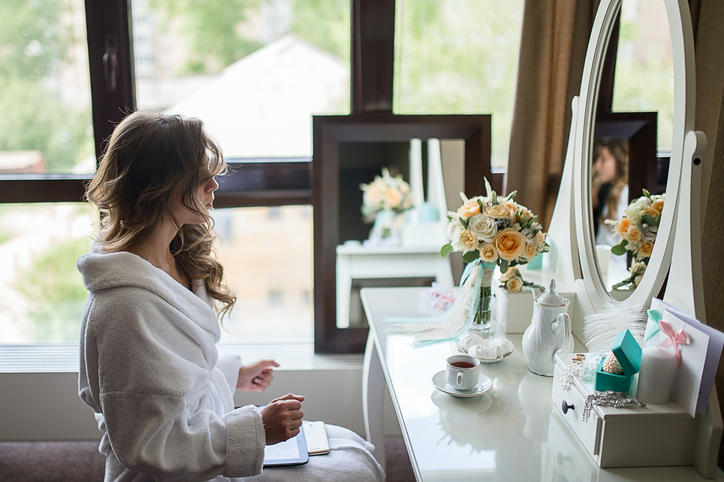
{"x": 45, "y": 406}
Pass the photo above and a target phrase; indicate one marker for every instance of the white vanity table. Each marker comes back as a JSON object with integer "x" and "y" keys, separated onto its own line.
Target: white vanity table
{"x": 509, "y": 434}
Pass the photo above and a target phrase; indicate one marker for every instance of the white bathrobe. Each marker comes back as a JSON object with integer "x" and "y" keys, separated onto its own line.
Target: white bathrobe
{"x": 149, "y": 369}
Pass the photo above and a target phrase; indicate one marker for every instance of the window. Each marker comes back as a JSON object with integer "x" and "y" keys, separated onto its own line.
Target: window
{"x": 46, "y": 125}
{"x": 644, "y": 66}
{"x": 253, "y": 71}
{"x": 268, "y": 265}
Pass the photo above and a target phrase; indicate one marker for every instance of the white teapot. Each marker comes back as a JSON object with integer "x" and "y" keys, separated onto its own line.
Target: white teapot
{"x": 549, "y": 331}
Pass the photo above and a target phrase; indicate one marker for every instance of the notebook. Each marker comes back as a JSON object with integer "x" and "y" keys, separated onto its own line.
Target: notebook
{"x": 290, "y": 452}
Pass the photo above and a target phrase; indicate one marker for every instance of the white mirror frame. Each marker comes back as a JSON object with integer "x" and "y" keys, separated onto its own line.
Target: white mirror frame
{"x": 684, "y": 72}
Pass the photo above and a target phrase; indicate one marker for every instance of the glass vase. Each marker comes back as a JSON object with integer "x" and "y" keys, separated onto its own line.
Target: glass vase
{"x": 483, "y": 313}
{"x": 385, "y": 230}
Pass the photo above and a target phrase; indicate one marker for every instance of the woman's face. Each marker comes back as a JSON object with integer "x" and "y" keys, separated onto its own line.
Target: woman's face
{"x": 605, "y": 166}
{"x": 205, "y": 195}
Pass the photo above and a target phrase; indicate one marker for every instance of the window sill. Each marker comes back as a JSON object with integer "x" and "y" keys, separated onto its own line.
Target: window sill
{"x": 63, "y": 357}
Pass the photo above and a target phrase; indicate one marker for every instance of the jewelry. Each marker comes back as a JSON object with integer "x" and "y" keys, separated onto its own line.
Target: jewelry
{"x": 609, "y": 399}
{"x": 579, "y": 368}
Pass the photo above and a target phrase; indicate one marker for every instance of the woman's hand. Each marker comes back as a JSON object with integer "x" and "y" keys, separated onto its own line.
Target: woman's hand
{"x": 282, "y": 418}
{"x": 257, "y": 376}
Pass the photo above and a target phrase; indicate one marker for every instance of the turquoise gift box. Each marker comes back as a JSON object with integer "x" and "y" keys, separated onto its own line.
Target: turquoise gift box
{"x": 628, "y": 353}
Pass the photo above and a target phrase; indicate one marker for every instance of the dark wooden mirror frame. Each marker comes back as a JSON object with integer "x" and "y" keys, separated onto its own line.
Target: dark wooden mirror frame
{"x": 328, "y": 133}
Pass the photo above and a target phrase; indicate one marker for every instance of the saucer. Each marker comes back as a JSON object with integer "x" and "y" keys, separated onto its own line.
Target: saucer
{"x": 484, "y": 384}
{"x": 488, "y": 360}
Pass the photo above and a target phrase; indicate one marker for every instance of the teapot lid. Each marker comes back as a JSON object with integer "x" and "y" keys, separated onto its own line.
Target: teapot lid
{"x": 551, "y": 297}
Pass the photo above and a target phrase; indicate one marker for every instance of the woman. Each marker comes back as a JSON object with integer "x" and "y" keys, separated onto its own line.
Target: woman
{"x": 149, "y": 365}
{"x": 610, "y": 187}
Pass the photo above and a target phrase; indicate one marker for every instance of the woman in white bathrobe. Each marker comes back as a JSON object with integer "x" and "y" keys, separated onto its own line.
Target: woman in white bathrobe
{"x": 149, "y": 367}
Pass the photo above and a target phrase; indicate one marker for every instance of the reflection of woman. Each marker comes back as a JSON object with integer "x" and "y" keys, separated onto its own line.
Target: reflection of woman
{"x": 609, "y": 187}
{"x": 149, "y": 366}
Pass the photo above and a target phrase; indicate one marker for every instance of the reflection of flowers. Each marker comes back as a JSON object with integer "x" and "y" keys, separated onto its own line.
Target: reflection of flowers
{"x": 636, "y": 272}
{"x": 496, "y": 230}
{"x": 386, "y": 193}
{"x": 638, "y": 229}
{"x": 485, "y": 423}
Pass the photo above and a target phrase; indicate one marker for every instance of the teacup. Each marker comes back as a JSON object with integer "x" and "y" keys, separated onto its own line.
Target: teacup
{"x": 461, "y": 371}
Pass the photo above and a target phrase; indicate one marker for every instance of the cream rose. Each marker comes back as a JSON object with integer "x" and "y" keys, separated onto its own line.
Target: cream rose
{"x": 470, "y": 208}
{"x": 515, "y": 285}
{"x": 623, "y": 226}
{"x": 530, "y": 251}
{"x": 393, "y": 198}
{"x": 658, "y": 205}
{"x": 497, "y": 211}
{"x": 510, "y": 244}
{"x": 483, "y": 227}
{"x": 509, "y": 274}
{"x": 488, "y": 253}
{"x": 646, "y": 249}
{"x": 468, "y": 240}
{"x": 634, "y": 234}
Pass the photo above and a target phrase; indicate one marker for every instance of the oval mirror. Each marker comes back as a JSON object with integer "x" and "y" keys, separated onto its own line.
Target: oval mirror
{"x": 682, "y": 52}
{"x": 633, "y": 126}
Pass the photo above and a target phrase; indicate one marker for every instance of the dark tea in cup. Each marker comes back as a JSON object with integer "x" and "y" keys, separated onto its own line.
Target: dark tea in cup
{"x": 462, "y": 364}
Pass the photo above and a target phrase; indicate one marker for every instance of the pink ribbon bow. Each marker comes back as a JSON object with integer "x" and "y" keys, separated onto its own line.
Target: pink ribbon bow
{"x": 673, "y": 339}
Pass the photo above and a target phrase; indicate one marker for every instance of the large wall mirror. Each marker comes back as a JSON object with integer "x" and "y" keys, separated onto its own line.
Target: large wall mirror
{"x": 352, "y": 150}
{"x": 592, "y": 122}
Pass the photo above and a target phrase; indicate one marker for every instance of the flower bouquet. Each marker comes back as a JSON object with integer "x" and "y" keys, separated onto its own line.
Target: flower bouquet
{"x": 638, "y": 229}
{"x": 384, "y": 199}
{"x": 493, "y": 231}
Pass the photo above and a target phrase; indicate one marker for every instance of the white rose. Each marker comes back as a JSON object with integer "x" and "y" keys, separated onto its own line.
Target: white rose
{"x": 454, "y": 230}
{"x": 483, "y": 227}
{"x": 634, "y": 209}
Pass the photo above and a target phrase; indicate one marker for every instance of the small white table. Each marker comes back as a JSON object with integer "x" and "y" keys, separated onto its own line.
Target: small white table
{"x": 510, "y": 434}
{"x": 355, "y": 261}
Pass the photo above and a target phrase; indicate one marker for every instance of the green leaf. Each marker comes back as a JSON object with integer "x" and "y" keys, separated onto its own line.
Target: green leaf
{"x": 465, "y": 222}
{"x": 648, "y": 219}
{"x": 620, "y": 249}
{"x": 480, "y": 204}
{"x": 511, "y": 195}
{"x": 504, "y": 264}
{"x": 446, "y": 250}
{"x": 471, "y": 256}
{"x": 646, "y": 193}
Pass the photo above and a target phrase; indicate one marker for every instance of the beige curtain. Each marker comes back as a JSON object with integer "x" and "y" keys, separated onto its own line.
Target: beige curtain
{"x": 552, "y": 53}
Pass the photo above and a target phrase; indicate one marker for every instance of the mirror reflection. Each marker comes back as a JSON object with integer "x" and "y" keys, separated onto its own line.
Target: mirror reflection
{"x": 391, "y": 219}
{"x": 632, "y": 139}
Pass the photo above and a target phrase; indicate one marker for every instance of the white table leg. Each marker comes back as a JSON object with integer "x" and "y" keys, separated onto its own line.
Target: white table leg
{"x": 344, "y": 290}
{"x": 373, "y": 391}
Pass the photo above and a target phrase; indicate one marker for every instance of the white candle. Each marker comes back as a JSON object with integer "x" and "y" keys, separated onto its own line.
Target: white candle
{"x": 658, "y": 370}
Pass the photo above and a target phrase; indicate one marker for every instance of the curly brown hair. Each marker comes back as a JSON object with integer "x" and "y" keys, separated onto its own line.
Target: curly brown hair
{"x": 147, "y": 155}
{"x": 619, "y": 150}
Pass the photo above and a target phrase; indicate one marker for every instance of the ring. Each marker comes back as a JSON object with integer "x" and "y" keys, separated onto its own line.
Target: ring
{"x": 577, "y": 361}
